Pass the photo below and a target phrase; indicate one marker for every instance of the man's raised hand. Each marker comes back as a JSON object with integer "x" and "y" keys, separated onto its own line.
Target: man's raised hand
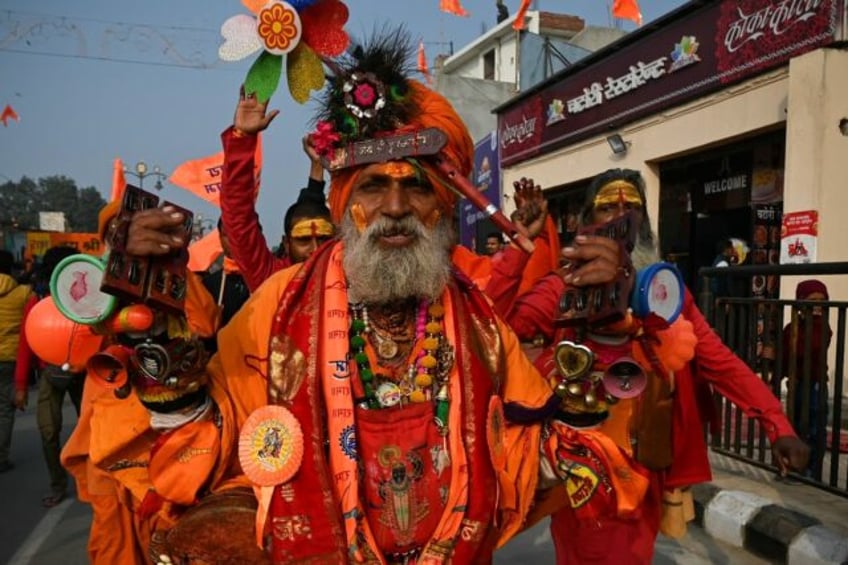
{"x": 531, "y": 207}
{"x": 251, "y": 115}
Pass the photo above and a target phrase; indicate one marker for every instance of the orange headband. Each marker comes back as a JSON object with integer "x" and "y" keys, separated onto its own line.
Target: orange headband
{"x": 618, "y": 191}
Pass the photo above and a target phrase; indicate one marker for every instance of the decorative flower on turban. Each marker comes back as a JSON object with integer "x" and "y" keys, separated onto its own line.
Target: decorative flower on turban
{"x": 371, "y": 104}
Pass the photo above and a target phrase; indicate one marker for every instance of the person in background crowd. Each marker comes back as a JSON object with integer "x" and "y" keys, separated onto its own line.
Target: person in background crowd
{"x": 494, "y": 243}
{"x": 53, "y": 383}
{"x": 720, "y": 286}
{"x": 805, "y": 363}
{"x": 227, "y": 285}
{"x": 13, "y": 299}
{"x": 307, "y": 222}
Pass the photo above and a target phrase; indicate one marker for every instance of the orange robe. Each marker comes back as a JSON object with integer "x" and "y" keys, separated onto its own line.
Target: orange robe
{"x": 108, "y": 452}
{"x": 239, "y": 385}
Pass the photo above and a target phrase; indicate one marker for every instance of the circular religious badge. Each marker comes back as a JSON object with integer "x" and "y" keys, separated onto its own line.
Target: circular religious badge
{"x": 271, "y": 446}
{"x": 388, "y": 394}
{"x": 495, "y": 429}
{"x": 387, "y": 349}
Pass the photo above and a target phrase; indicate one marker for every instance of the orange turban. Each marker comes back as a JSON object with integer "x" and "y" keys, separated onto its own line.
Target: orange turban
{"x": 105, "y": 216}
{"x": 434, "y": 111}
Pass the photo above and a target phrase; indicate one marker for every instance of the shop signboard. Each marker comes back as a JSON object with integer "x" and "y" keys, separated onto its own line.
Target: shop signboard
{"x": 39, "y": 242}
{"x": 487, "y": 178}
{"x": 723, "y": 183}
{"x": 798, "y": 236}
{"x": 705, "y": 50}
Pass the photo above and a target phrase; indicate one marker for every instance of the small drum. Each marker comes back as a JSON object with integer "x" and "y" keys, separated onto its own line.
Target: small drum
{"x": 75, "y": 287}
{"x": 658, "y": 290}
{"x": 219, "y": 530}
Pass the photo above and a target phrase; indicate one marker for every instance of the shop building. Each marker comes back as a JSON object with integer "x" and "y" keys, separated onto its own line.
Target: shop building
{"x": 735, "y": 112}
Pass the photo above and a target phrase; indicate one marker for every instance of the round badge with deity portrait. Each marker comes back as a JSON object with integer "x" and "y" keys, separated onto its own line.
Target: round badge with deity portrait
{"x": 271, "y": 446}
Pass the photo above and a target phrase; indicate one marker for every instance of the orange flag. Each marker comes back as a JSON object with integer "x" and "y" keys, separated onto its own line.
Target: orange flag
{"x": 9, "y": 114}
{"x": 452, "y": 7}
{"x": 627, "y": 10}
{"x": 119, "y": 183}
{"x": 518, "y": 24}
{"x": 202, "y": 177}
{"x": 203, "y": 252}
{"x": 422, "y": 63}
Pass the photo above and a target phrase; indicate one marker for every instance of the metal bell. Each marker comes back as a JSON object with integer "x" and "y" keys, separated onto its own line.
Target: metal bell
{"x": 561, "y": 389}
{"x": 575, "y": 388}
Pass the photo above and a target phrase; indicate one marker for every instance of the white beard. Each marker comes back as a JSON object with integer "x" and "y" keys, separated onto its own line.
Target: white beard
{"x": 644, "y": 254}
{"x": 380, "y": 275}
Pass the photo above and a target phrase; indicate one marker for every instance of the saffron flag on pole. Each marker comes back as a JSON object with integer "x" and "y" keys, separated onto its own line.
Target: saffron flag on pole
{"x": 119, "y": 183}
{"x": 518, "y": 24}
{"x": 627, "y": 10}
{"x": 202, "y": 177}
{"x": 203, "y": 252}
{"x": 452, "y": 7}
{"x": 422, "y": 63}
{"x": 9, "y": 114}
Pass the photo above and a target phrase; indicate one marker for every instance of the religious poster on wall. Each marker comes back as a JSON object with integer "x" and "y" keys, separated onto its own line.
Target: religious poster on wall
{"x": 799, "y": 233}
{"x": 765, "y": 250}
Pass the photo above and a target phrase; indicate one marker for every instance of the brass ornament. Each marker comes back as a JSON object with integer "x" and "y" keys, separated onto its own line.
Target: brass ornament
{"x": 573, "y": 360}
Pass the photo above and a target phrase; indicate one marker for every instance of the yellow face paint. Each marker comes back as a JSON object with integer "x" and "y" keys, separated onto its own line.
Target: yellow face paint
{"x": 396, "y": 169}
{"x": 358, "y": 216}
{"x": 618, "y": 191}
{"x": 312, "y": 227}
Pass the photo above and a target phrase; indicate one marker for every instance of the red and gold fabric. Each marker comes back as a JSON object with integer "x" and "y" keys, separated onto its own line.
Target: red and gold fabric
{"x": 270, "y": 355}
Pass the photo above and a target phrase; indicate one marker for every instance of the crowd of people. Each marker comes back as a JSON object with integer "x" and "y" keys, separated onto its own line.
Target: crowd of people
{"x": 363, "y": 396}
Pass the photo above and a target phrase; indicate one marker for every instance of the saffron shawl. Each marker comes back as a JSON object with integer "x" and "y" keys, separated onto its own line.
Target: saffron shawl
{"x": 307, "y": 371}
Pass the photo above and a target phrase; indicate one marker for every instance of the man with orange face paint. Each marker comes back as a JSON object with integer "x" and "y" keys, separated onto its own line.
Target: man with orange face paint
{"x": 380, "y": 408}
{"x": 308, "y": 224}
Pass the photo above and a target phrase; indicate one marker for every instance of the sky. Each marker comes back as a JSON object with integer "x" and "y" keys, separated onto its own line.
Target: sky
{"x": 93, "y": 80}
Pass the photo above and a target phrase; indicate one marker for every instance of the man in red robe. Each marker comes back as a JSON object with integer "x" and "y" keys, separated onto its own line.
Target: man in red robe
{"x": 631, "y": 539}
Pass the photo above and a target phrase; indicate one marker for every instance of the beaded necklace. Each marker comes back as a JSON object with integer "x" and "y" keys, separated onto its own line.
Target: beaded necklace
{"x": 425, "y": 377}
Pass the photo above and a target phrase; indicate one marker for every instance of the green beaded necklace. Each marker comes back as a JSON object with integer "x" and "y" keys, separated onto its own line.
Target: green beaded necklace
{"x": 427, "y": 373}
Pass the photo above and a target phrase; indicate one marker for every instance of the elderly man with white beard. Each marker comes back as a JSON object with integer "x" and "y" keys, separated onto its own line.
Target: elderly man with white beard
{"x": 378, "y": 407}
{"x": 662, "y": 428}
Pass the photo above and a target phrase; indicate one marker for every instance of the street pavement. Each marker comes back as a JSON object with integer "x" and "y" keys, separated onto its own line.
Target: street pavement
{"x": 31, "y": 534}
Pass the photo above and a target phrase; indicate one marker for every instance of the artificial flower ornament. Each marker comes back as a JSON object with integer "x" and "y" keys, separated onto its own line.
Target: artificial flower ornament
{"x": 302, "y": 31}
{"x": 364, "y": 95}
{"x": 279, "y": 27}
